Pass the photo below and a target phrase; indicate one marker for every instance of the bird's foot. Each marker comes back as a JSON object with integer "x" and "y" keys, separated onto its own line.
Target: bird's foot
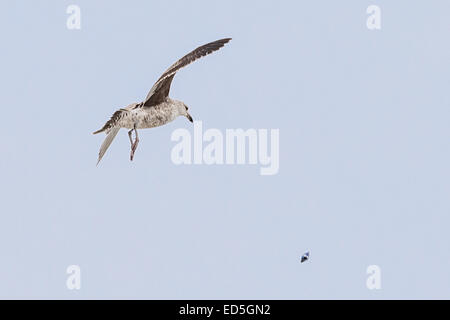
{"x": 133, "y": 149}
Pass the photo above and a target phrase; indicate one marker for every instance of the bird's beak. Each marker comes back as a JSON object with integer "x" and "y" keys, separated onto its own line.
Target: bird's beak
{"x": 189, "y": 117}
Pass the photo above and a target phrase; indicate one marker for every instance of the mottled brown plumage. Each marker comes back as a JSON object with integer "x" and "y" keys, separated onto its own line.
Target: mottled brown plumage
{"x": 157, "y": 109}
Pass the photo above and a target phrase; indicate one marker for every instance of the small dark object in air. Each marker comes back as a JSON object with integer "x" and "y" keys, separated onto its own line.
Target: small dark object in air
{"x": 305, "y": 257}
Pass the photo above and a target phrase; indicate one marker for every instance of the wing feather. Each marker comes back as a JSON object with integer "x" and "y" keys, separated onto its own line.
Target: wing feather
{"x": 160, "y": 90}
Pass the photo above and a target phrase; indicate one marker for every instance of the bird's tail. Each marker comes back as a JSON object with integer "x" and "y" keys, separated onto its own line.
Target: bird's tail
{"x": 107, "y": 142}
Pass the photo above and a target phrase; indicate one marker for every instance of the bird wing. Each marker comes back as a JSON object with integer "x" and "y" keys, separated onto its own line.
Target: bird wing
{"x": 107, "y": 142}
{"x": 160, "y": 90}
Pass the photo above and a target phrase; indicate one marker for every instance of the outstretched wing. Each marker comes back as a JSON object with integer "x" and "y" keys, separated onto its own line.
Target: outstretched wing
{"x": 161, "y": 88}
{"x": 107, "y": 142}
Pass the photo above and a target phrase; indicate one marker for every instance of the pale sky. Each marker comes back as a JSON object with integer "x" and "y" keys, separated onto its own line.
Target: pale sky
{"x": 363, "y": 119}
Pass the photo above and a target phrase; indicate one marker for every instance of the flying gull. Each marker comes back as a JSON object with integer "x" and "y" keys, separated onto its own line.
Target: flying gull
{"x": 157, "y": 109}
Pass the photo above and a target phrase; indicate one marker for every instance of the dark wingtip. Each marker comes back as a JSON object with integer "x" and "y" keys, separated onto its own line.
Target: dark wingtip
{"x": 225, "y": 40}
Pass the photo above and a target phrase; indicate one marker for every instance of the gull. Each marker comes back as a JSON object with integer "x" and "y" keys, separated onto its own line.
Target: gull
{"x": 157, "y": 109}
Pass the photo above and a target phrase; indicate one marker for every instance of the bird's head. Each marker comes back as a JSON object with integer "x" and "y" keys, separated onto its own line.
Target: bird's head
{"x": 187, "y": 113}
{"x": 183, "y": 111}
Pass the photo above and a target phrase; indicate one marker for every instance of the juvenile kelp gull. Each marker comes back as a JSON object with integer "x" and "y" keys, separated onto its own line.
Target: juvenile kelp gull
{"x": 157, "y": 109}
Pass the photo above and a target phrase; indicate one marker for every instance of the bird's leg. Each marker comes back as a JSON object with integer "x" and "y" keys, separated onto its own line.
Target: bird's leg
{"x": 129, "y": 136}
{"x": 133, "y": 144}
